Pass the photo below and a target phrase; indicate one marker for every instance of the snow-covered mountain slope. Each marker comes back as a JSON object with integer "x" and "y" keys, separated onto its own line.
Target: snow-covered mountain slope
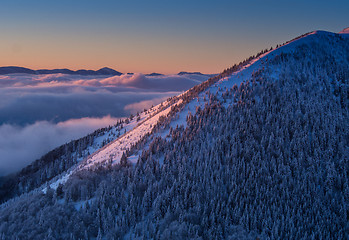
{"x": 137, "y": 130}
{"x": 140, "y": 127}
{"x": 260, "y": 151}
{"x": 109, "y": 147}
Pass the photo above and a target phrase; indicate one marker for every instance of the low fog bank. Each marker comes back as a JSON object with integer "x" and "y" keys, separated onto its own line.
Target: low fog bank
{"x": 41, "y": 112}
{"x": 26, "y": 99}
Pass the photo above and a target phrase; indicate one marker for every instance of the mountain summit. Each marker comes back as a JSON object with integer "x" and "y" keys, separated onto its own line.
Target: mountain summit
{"x": 259, "y": 151}
{"x": 345, "y": 30}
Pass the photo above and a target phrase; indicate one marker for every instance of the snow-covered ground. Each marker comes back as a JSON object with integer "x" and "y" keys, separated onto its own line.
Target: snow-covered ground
{"x": 113, "y": 151}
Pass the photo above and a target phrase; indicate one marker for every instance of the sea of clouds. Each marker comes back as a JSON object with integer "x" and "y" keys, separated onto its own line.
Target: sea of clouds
{"x": 41, "y": 112}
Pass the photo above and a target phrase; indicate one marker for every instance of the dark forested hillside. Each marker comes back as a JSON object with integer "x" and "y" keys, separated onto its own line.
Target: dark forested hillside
{"x": 54, "y": 163}
{"x": 268, "y": 159}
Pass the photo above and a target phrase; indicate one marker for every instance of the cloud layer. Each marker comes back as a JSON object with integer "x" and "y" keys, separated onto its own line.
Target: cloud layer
{"x": 40, "y": 112}
{"x": 21, "y": 145}
{"x": 26, "y": 99}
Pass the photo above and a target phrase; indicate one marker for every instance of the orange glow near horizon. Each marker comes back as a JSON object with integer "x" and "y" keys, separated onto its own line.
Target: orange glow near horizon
{"x": 124, "y": 55}
{"x": 153, "y": 36}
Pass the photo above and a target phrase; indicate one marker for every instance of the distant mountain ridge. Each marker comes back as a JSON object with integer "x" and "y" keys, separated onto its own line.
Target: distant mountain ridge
{"x": 195, "y": 73}
{"x": 102, "y": 71}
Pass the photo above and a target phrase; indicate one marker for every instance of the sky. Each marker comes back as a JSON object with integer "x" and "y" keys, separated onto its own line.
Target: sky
{"x": 155, "y": 35}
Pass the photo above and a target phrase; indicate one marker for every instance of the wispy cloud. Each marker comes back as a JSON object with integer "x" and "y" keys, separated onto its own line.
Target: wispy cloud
{"x": 139, "y": 106}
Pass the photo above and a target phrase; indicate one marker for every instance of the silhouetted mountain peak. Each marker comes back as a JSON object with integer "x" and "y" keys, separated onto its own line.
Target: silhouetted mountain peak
{"x": 108, "y": 71}
{"x": 190, "y": 73}
{"x": 15, "y": 69}
{"x": 154, "y": 74}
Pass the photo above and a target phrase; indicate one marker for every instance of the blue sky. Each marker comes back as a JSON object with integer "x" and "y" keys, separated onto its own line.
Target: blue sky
{"x": 155, "y": 36}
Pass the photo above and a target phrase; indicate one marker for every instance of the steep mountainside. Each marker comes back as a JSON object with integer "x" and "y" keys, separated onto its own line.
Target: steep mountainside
{"x": 261, "y": 150}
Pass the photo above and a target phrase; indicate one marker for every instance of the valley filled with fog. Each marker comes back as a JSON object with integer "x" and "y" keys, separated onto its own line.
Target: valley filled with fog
{"x": 41, "y": 112}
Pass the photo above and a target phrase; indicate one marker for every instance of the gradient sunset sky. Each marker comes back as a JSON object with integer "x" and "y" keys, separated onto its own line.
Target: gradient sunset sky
{"x": 155, "y": 36}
